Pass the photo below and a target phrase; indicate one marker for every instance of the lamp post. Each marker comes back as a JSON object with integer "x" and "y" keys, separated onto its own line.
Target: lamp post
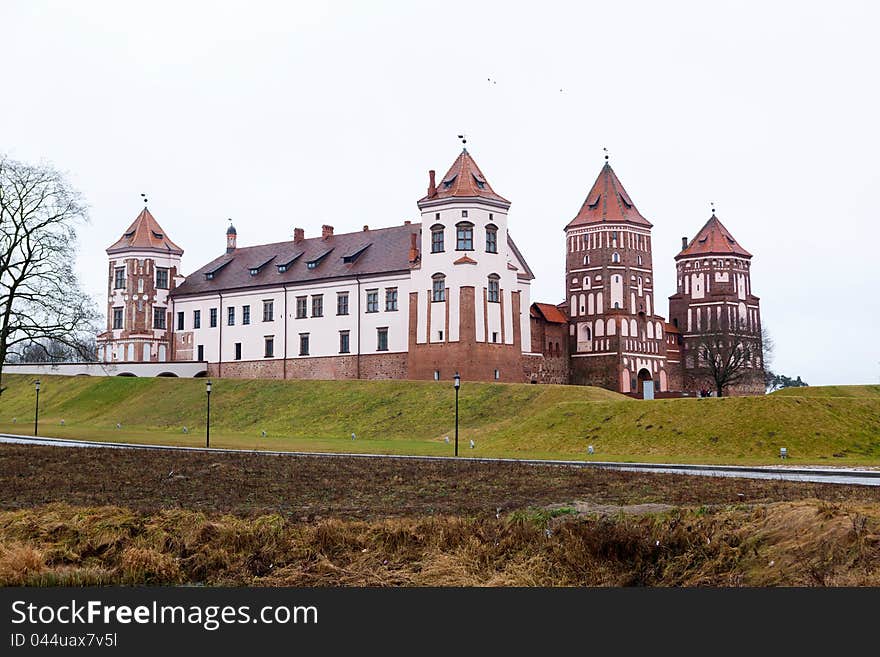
{"x": 208, "y": 417}
{"x": 37, "y": 406}
{"x": 457, "y": 380}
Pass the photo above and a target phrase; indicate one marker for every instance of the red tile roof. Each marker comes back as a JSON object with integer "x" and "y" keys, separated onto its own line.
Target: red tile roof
{"x": 608, "y": 201}
{"x": 550, "y": 313}
{"x": 145, "y": 234}
{"x": 713, "y": 239}
{"x": 463, "y": 180}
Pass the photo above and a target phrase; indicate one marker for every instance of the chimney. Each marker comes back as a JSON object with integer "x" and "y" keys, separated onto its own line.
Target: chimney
{"x": 326, "y": 232}
{"x": 298, "y": 235}
{"x": 406, "y": 222}
{"x": 366, "y": 228}
{"x": 432, "y": 186}
{"x": 413, "y": 247}
{"x": 684, "y": 243}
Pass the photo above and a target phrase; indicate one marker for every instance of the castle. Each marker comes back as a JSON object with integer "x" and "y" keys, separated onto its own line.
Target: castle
{"x": 449, "y": 294}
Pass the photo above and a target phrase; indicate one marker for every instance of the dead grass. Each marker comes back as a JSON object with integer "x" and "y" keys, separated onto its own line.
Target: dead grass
{"x": 315, "y": 488}
{"x": 809, "y": 542}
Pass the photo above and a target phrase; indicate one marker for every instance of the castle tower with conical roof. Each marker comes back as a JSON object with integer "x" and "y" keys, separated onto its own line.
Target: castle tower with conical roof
{"x": 470, "y": 297}
{"x": 714, "y": 304}
{"x": 144, "y": 267}
{"x": 616, "y": 338}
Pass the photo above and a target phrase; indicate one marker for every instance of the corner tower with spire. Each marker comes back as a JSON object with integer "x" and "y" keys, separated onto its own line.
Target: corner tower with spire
{"x": 143, "y": 268}
{"x": 470, "y": 297}
{"x": 616, "y": 338}
{"x": 714, "y": 297}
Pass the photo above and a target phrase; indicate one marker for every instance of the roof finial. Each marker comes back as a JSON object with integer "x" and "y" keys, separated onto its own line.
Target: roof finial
{"x": 712, "y": 205}
{"x": 606, "y": 154}
{"x": 463, "y": 138}
{"x": 144, "y": 197}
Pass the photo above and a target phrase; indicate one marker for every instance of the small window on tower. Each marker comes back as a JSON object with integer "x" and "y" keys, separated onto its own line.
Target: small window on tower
{"x": 615, "y": 257}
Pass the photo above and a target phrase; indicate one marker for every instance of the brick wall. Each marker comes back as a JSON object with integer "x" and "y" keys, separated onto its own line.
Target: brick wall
{"x": 373, "y": 366}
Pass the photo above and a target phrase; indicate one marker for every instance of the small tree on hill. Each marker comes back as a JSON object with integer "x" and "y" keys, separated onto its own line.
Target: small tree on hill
{"x": 41, "y": 302}
{"x": 728, "y": 352}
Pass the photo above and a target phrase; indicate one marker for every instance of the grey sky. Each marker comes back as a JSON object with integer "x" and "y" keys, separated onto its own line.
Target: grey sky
{"x": 295, "y": 114}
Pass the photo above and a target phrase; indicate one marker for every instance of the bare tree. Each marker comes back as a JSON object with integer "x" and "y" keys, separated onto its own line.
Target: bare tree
{"x": 41, "y": 301}
{"x": 728, "y": 353}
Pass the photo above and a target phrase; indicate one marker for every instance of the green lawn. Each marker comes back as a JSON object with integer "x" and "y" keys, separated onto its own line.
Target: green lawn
{"x": 838, "y": 425}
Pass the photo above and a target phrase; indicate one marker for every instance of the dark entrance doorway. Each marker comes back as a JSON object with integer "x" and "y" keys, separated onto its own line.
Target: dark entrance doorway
{"x": 644, "y": 375}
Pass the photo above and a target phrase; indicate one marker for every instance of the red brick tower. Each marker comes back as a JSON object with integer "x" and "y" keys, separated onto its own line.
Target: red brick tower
{"x": 144, "y": 267}
{"x": 715, "y": 297}
{"x": 616, "y": 338}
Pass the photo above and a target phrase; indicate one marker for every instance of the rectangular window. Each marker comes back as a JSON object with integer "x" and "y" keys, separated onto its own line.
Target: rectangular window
{"x": 494, "y": 293}
{"x": 438, "y": 291}
{"x": 269, "y": 311}
{"x": 436, "y": 375}
{"x": 117, "y": 318}
{"x": 269, "y": 347}
{"x": 197, "y": 320}
{"x": 342, "y": 303}
{"x": 212, "y": 318}
{"x": 494, "y": 336}
{"x": 303, "y": 344}
{"x": 180, "y": 321}
{"x": 437, "y": 240}
{"x": 497, "y": 375}
{"x": 382, "y": 339}
{"x": 161, "y": 278}
{"x": 491, "y": 240}
{"x": 238, "y": 351}
{"x": 230, "y": 316}
{"x": 391, "y": 298}
{"x": 302, "y": 307}
{"x": 200, "y": 352}
{"x": 372, "y": 301}
{"x": 158, "y": 318}
{"x": 119, "y": 278}
{"x": 317, "y": 305}
{"x": 440, "y": 336}
{"x": 245, "y": 315}
{"x": 343, "y": 342}
{"x": 465, "y": 237}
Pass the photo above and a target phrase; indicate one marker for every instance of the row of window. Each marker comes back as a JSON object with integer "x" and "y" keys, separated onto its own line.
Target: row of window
{"x": 161, "y": 279}
{"x": 158, "y": 318}
{"x": 438, "y": 288}
{"x": 464, "y": 236}
{"x": 304, "y": 344}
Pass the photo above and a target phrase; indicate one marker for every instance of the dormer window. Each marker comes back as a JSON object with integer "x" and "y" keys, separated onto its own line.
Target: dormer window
{"x": 448, "y": 182}
{"x": 314, "y": 262}
{"x": 256, "y": 269}
{"x": 158, "y": 236}
{"x": 287, "y": 263}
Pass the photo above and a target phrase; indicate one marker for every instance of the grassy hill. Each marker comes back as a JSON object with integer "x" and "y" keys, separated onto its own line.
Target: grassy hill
{"x": 840, "y": 426}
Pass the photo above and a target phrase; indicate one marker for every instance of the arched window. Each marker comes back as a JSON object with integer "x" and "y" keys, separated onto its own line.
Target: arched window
{"x": 615, "y": 257}
{"x": 639, "y": 260}
{"x": 438, "y": 288}
{"x": 491, "y": 238}
{"x": 586, "y": 259}
{"x": 494, "y": 292}
{"x": 437, "y": 238}
{"x": 464, "y": 236}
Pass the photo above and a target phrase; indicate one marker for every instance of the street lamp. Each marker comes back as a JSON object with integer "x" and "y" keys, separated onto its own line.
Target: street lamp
{"x": 37, "y": 406}
{"x": 208, "y": 418}
{"x": 457, "y": 380}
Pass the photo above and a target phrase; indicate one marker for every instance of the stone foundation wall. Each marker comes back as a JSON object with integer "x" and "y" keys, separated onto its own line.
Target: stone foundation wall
{"x": 373, "y": 366}
{"x": 539, "y": 368}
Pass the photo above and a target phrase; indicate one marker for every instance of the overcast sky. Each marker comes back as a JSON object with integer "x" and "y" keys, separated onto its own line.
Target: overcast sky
{"x": 298, "y": 114}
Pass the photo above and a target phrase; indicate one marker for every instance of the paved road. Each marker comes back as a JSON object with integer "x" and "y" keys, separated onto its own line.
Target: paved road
{"x": 785, "y": 473}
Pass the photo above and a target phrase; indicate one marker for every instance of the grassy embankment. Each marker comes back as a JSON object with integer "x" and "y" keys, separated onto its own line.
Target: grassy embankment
{"x": 834, "y": 425}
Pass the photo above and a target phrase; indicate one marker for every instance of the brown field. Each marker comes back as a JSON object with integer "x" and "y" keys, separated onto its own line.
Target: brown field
{"x": 99, "y": 516}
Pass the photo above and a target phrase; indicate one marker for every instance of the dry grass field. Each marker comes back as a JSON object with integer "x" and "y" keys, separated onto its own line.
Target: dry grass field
{"x": 99, "y": 516}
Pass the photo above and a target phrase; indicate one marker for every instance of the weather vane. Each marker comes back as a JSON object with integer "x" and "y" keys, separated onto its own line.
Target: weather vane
{"x": 144, "y": 196}
{"x": 463, "y": 140}
{"x": 712, "y": 205}
{"x": 606, "y": 154}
